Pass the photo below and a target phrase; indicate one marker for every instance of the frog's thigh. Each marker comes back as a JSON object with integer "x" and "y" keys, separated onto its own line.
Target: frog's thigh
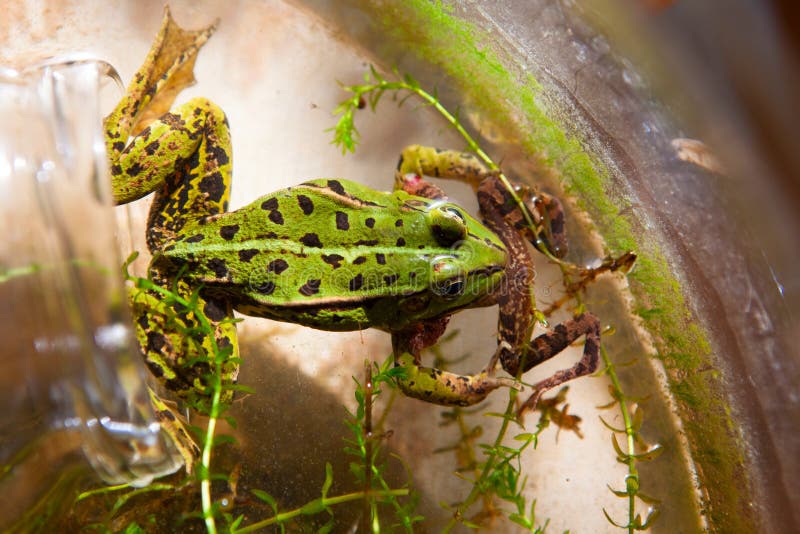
{"x": 197, "y": 128}
{"x": 442, "y": 387}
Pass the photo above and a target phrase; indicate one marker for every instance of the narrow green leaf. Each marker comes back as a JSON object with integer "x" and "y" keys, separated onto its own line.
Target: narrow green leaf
{"x": 612, "y": 428}
{"x": 328, "y": 479}
{"x": 618, "y": 493}
{"x": 266, "y": 497}
{"x": 654, "y": 452}
{"x": 608, "y": 517}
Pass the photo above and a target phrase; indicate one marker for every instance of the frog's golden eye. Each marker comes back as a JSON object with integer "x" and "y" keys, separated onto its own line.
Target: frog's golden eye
{"x": 448, "y": 225}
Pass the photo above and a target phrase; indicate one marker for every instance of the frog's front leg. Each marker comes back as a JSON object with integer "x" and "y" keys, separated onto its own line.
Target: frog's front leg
{"x": 434, "y": 385}
{"x": 508, "y": 219}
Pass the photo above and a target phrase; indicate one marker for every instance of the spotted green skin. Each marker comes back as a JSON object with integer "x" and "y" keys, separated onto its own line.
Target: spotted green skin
{"x": 337, "y": 255}
{"x": 329, "y": 254}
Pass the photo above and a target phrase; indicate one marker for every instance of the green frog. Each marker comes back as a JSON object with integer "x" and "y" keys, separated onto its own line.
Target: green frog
{"x": 330, "y": 254}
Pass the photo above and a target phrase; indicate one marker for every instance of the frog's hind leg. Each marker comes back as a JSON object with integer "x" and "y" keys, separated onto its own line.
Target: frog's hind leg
{"x": 184, "y": 154}
{"x": 197, "y": 179}
{"x": 551, "y": 343}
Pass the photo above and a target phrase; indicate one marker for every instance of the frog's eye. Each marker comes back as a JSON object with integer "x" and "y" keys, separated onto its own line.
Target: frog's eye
{"x": 449, "y": 289}
{"x": 448, "y": 224}
{"x": 447, "y": 278}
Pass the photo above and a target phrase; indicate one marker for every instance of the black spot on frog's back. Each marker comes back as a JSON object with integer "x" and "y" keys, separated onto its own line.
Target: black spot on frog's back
{"x": 337, "y": 187}
{"x": 334, "y": 260}
{"x": 311, "y": 240}
{"x": 311, "y": 287}
{"x": 270, "y": 204}
{"x": 227, "y": 232}
{"x": 277, "y": 266}
{"x": 357, "y": 282}
{"x": 276, "y": 217}
{"x": 342, "y": 221}
{"x": 306, "y": 204}
{"x": 247, "y": 254}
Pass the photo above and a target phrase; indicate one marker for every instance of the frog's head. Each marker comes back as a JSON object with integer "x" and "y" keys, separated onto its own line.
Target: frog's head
{"x": 464, "y": 263}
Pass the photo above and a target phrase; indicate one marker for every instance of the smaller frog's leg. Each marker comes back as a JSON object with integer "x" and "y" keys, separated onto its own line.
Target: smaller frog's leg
{"x": 434, "y": 385}
{"x": 551, "y": 343}
{"x": 515, "y": 307}
{"x": 545, "y": 211}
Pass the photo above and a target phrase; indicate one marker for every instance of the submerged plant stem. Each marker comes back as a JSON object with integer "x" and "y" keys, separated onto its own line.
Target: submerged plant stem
{"x": 320, "y": 504}
{"x": 477, "y": 486}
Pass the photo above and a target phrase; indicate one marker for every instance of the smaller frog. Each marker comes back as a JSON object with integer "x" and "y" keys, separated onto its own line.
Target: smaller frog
{"x": 329, "y": 254}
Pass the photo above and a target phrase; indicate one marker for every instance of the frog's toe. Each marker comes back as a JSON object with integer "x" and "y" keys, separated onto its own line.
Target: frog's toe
{"x": 503, "y": 382}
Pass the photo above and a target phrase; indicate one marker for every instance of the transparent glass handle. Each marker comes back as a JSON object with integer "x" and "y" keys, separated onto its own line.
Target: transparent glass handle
{"x": 69, "y": 364}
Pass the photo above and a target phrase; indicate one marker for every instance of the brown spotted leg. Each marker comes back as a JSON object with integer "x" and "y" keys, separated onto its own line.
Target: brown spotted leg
{"x": 552, "y": 343}
{"x": 515, "y": 305}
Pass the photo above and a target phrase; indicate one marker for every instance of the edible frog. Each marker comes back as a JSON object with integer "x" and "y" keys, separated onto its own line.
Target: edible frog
{"x": 329, "y": 254}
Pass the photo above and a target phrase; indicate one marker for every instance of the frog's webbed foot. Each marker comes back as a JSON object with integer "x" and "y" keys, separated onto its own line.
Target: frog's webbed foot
{"x": 168, "y": 69}
{"x": 174, "y": 427}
